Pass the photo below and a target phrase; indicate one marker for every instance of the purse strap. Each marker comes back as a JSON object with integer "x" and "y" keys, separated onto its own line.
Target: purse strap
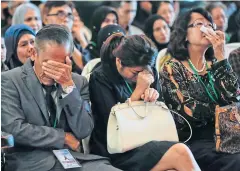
{"x": 190, "y": 136}
{"x": 161, "y": 104}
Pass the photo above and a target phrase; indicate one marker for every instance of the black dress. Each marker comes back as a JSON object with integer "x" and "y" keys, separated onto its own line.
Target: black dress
{"x": 185, "y": 94}
{"x": 107, "y": 88}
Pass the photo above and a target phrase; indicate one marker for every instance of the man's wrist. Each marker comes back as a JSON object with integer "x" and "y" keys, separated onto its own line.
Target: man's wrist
{"x": 66, "y": 138}
{"x": 68, "y": 88}
{"x": 70, "y": 141}
{"x": 68, "y": 84}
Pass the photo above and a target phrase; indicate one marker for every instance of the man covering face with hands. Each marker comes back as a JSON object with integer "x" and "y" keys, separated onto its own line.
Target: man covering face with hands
{"x": 46, "y": 107}
{"x": 59, "y": 72}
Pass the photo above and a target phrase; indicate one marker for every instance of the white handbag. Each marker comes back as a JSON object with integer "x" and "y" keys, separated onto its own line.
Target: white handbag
{"x": 131, "y": 125}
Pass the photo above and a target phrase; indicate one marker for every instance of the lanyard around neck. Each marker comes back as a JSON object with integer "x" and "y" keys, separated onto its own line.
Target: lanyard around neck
{"x": 129, "y": 88}
{"x": 55, "y": 122}
{"x": 210, "y": 81}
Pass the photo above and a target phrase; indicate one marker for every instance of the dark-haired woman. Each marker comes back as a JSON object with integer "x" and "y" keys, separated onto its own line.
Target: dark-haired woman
{"x": 103, "y": 34}
{"x": 127, "y": 71}
{"x": 164, "y": 9}
{"x": 196, "y": 80}
{"x": 3, "y": 54}
{"x": 102, "y": 17}
{"x": 157, "y": 29}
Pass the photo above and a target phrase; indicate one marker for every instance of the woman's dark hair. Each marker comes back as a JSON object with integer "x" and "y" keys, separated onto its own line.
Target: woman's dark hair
{"x": 136, "y": 50}
{"x": 107, "y": 57}
{"x": 98, "y": 17}
{"x": 106, "y": 32}
{"x": 178, "y": 45}
{"x": 156, "y": 5}
{"x": 52, "y": 4}
{"x": 148, "y": 29}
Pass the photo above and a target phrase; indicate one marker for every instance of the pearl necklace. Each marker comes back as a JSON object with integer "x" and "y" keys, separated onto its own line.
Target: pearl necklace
{"x": 200, "y": 70}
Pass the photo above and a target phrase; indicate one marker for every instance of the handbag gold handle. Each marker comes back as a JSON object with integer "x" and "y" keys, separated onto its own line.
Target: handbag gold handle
{"x": 146, "y": 108}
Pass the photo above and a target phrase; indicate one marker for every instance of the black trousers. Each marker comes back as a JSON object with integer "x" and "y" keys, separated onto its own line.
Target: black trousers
{"x": 210, "y": 160}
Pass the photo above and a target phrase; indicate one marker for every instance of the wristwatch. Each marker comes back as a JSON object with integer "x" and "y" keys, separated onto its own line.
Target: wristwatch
{"x": 68, "y": 89}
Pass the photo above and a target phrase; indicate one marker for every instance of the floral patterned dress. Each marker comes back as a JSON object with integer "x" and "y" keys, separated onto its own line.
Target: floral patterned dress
{"x": 185, "y": 94}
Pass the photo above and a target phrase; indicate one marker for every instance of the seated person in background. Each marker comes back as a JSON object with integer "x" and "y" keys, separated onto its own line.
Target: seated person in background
{"x": 236, "y": 34}
{"x": 46, "y": 107}
{"x": 233, "y": 24}
{"x": 19, "y": 39}
{"x": 126, "y": 12}
{"x": 127, "y": 71}
{"x": 61, "y": 13}
{"x": 101, "y": 17}
{"x": 3, "y": 55}
{"x": 218, "y": 12}
{"x": 144, "y": 10}
{"x": 28, "y": 14}
{"x": 79, "y": 28}
{"x": 12, "y": 5}
{"x": 234, "y": 60}
{"x": 194, "y": 82}
{"x": 103, "y": 34}
{"x": 157, "y": 29}
{"x": 164, "y": 9}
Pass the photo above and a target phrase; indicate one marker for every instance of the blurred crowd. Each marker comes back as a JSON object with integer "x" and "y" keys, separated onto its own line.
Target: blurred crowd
{"x": 65, "y": 64}
{"x": 85, "y": 19}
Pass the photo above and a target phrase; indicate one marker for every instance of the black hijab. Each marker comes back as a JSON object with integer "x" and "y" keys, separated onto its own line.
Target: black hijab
{"x": 12, "y": 37}
{"x": 106, "y": 32}
{"x": 103, "y": 34}
{"x": 98, "y": 17}
{"x": 148, "y": 29}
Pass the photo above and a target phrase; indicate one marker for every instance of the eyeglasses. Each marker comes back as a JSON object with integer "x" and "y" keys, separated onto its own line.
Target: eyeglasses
{"x": 62, "y": 15}
{"x": 199, "y": 24}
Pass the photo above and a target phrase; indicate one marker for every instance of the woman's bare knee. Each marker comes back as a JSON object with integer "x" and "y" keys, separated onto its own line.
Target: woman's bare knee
{"x": 181, "y": 150}
{"x": 178, "y": 157}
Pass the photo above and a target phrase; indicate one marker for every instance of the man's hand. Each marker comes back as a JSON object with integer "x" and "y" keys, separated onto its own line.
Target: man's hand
{"x": 61, "y": 73}
{"x": 78, "y": 33}
{"x": 71, "y": 141}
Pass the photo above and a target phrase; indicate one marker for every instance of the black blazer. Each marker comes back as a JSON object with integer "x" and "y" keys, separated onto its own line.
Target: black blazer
{"x": 107, "y": 88}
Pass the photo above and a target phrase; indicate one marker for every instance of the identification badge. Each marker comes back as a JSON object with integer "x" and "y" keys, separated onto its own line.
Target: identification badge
{"x": 66, "y": 159}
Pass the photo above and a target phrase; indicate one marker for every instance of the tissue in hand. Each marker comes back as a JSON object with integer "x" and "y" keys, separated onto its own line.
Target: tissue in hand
{"x": 207, "y": 30}
{"x": 204, "y": 29}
